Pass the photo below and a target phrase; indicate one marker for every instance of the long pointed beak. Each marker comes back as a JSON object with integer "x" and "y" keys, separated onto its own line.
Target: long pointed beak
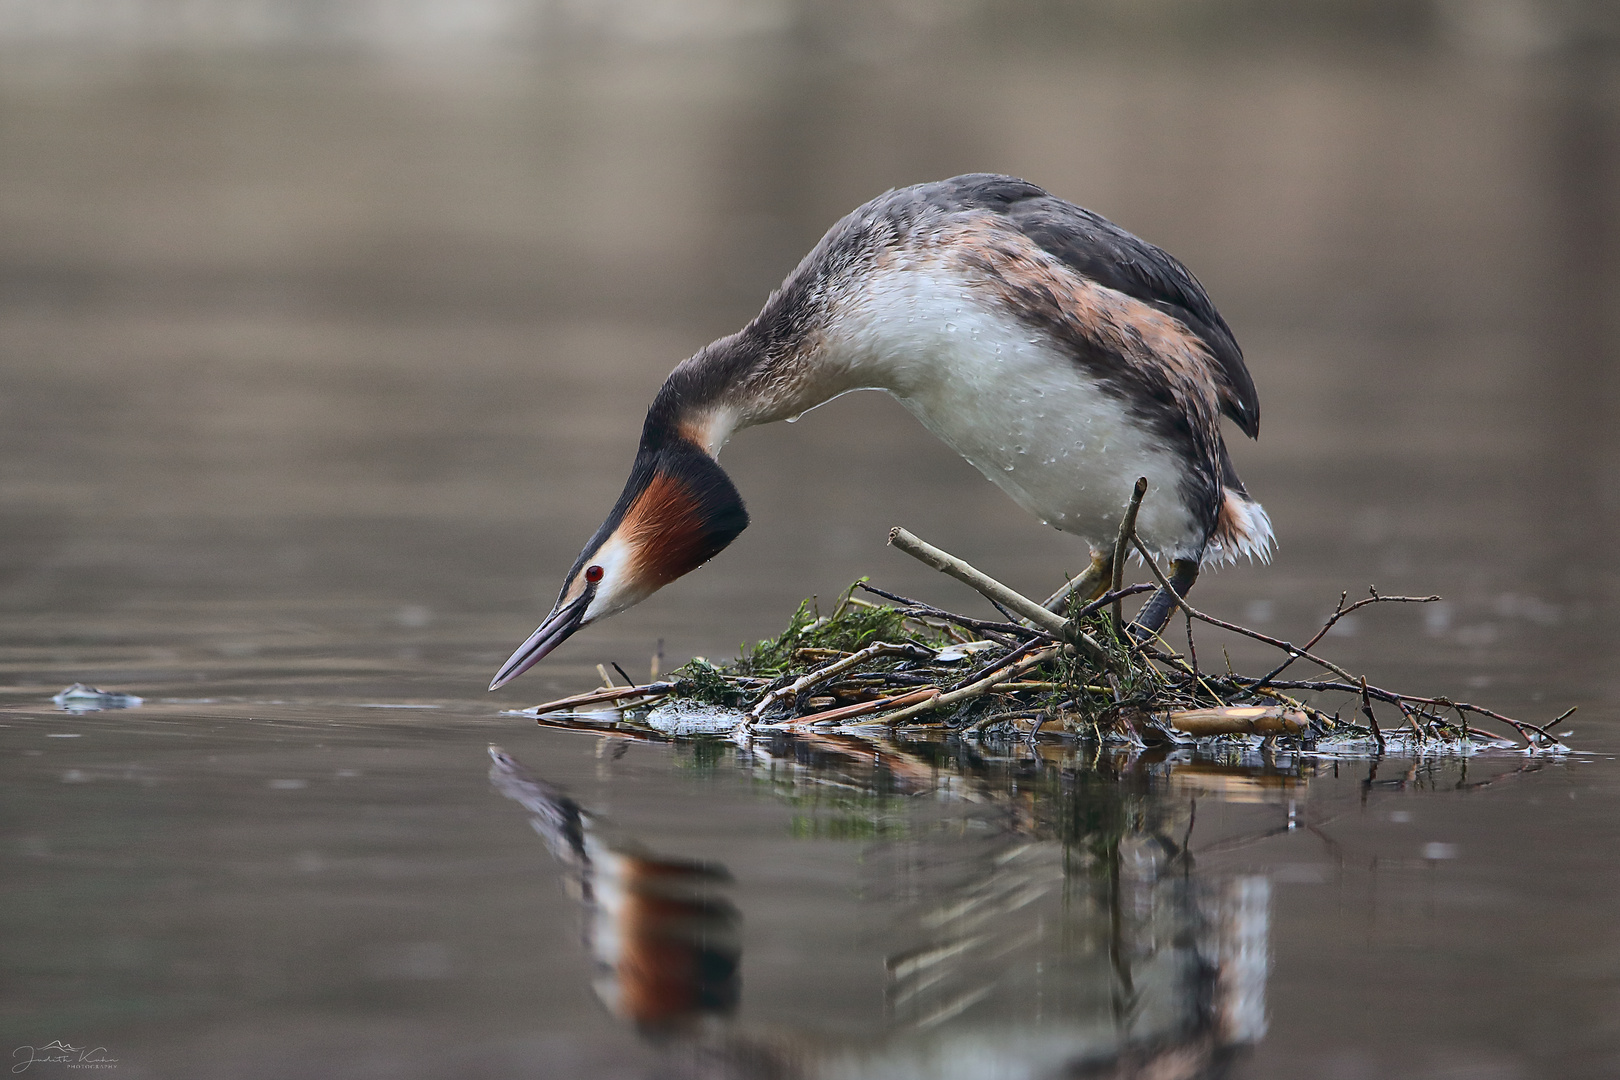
{"x": 551, "y": 633}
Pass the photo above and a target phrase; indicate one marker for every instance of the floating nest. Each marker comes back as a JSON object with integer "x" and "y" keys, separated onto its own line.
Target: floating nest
{"x": 1071, "y": 668}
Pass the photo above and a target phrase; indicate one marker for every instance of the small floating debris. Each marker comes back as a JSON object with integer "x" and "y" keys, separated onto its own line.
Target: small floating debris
{"x": 684, "y": 716}
{"x": 80, "y": 698}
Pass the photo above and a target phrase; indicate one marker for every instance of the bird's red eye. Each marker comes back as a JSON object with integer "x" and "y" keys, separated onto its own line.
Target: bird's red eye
{"x": 593, "y": 574}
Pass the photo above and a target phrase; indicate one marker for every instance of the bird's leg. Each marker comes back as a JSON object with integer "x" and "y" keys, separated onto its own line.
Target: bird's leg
{"x": 1088, "y": 586}
{"x": 1156, "y": 612}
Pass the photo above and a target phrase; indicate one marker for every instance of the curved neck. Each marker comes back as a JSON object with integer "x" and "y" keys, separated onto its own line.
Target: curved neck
{"x": 743, "y": 380}
{"x": 697, "y": 402}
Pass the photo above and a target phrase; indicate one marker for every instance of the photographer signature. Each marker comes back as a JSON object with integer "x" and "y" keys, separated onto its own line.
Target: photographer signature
{"x": 61, "y": 1053}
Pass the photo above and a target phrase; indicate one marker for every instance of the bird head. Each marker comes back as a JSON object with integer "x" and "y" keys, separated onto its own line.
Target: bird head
{"x": 678, "y": 511}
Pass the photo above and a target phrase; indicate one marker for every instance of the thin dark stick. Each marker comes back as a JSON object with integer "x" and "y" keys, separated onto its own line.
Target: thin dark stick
{"x": 1366, "y": 707}
{"x": 1192, "y": 649}
{"x": 1177, "y": 664}
{"x": 1109, "y": 597}
{"x": 995, "y": 604}
{"x": 1340, "y": 612}
{"x": 1003, "y": 628}
{"x": 1486, "y": 734}
{"x": 1391, "y": 697}
{"x": 1001, "y": 662}
{"x": 1411, "y": 715}
{"x": 879, "y": 678}
{"x": 1181, "y": 602}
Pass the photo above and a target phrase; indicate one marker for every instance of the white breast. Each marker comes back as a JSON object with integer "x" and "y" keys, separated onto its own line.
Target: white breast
{"x": 1020, "y": 410}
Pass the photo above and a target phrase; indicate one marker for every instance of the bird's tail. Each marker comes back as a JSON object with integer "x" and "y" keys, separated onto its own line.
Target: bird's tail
{"x": 1242, "y": 529}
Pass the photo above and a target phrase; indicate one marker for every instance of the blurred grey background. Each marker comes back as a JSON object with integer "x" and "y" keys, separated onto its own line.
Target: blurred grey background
{"x": 343, "y": 314}
{"x": 326, "y": 330}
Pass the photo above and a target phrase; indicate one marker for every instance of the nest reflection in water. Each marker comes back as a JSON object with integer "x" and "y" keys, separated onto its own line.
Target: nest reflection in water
{"x": 1057, "y": 924}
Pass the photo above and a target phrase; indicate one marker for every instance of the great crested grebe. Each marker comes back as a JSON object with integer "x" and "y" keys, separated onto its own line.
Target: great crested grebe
{"x": 1060, "y": 355}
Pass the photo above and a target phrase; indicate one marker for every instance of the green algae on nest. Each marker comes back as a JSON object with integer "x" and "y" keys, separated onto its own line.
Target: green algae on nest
{"x": 699, "y": 680}
{"x": 851, "y": 627}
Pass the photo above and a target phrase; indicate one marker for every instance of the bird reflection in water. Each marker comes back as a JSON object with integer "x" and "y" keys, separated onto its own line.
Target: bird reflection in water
{"x": 664, "y": 939}
{"x": 1062, "y": 934}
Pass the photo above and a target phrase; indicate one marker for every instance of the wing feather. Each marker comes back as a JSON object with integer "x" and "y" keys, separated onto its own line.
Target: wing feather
{"x": 1098, "y": 249}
